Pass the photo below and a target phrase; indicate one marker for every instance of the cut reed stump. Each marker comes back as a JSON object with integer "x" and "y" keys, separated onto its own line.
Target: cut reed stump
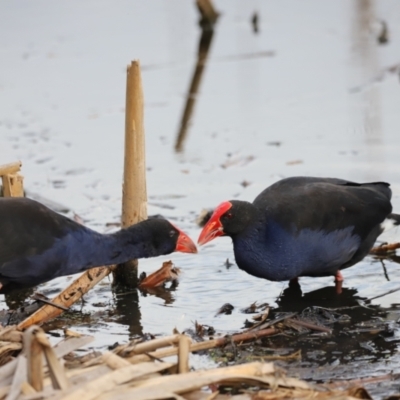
{"x": 208, "y": 13}
{"x": 134, "y": 205}
{"x": 134, "y": 193}
{"x": 12, "y": 180}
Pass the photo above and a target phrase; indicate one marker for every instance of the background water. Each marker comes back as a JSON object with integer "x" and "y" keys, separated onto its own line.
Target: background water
{"x": 312, "y": 93}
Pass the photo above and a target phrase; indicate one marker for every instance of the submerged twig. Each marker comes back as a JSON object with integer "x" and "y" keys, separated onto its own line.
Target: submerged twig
{"x": 361, "y": 381}
{"x": 41, "y": 298}
{"x": 309, "y": 325}
{"x": 260, "y": 322}
{"x": 294, "y": 356}
{"x": 384, "y": 294}
{"x": 272, "y": 322}
{"x": 385, "y": 270}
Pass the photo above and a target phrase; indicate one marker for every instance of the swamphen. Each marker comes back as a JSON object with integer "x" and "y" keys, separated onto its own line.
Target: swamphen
{"x": 303, "y": 226}
{"x": 37, "y": 244}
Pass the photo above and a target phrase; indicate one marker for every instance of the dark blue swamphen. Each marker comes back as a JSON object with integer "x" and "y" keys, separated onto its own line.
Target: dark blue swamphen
{"x": 37, "y": 244}
{"x": 303, "y": 226}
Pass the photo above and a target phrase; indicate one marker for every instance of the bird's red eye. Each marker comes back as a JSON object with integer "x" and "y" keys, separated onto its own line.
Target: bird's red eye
{"x": 229, "y": 215}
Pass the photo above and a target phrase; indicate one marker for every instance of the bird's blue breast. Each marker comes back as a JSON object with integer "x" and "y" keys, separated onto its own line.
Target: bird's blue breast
{"x": 269, "y": 251}
{"x": 74, "y": 252}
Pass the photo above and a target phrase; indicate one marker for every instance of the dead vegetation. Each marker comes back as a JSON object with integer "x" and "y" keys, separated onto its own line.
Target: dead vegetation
{"x": 137, "y": 371}
{"x": 160, "y": 368}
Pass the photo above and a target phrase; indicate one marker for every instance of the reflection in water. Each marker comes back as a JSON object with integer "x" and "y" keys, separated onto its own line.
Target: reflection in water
{"x": 293, "y": 300}
{"x": 365, "y": 59}
{"x": 164, "y": 293}
{"x": 18, "y": 298}
{"x": 127, "y": 307}
{"x": 360, "y": 331}
{"x": 204, "y": 47}
{"x": 392, "y": 257}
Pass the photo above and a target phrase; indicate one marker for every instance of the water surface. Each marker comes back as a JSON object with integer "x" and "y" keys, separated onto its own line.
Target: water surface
{"x": 312, "y": 93}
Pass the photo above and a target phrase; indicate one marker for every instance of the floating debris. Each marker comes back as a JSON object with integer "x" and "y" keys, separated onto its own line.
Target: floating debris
{"x": 228, "y": 264}
{"x": 274, "y": 143}
{"x": 167, "y": 273}
{"x": 225, "y": 309}
{"x": 240, "y": 161}
{"x": 294, "y": 162}
{"x": 383, "y": 36}
{"x": 202, "y": 330}
{"x": 251, "y": 309}
{"x": 254, "y": 22}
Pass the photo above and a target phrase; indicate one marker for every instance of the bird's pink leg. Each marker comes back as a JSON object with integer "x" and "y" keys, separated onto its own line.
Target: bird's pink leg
{"x": 339, "y": 282}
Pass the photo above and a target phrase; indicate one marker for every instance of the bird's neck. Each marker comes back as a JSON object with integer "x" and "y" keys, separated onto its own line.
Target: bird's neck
{"x": 131, "y": 243}
{"x": 90, "y": 249}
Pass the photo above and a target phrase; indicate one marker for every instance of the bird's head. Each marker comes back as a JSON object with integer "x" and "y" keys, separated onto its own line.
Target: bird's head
{"x": 228, "y": 219}
{"x": 166, "y": 238}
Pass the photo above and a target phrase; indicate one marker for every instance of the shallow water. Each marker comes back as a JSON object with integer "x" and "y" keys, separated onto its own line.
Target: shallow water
{"x": 312, "y": 93}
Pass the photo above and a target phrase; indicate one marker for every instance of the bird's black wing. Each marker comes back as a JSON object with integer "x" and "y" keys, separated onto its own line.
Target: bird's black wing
{"x": 326, "y": 204}
{"x": 28, "y": 228}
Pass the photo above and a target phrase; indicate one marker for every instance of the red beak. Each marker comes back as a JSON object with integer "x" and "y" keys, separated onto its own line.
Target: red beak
{"x": 211, "y": 230}
{"x": 185, "y": 244}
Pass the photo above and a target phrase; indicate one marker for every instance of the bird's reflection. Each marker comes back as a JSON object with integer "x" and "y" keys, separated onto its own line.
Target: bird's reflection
{"x": 358, "y": 327}
{"x": 17, "y": 299}
{"x": 292, "y": 298}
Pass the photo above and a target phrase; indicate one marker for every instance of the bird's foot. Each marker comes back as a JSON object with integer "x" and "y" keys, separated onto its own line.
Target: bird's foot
{"x": 339, "y": 282}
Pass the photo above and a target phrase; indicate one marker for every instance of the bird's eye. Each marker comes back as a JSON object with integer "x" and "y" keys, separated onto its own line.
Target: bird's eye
{"x": 171, "y": 233}
{"x": 229, "y": 215}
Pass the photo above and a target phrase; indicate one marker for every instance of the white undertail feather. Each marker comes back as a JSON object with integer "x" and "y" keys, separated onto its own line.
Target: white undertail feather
{"x": 389, "y": 234}
{"x": 392, "y": 221}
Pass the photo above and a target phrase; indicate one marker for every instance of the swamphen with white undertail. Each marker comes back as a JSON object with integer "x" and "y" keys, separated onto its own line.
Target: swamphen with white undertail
{"x": 37, "y": 244}
{"x": 303, "y": 226}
